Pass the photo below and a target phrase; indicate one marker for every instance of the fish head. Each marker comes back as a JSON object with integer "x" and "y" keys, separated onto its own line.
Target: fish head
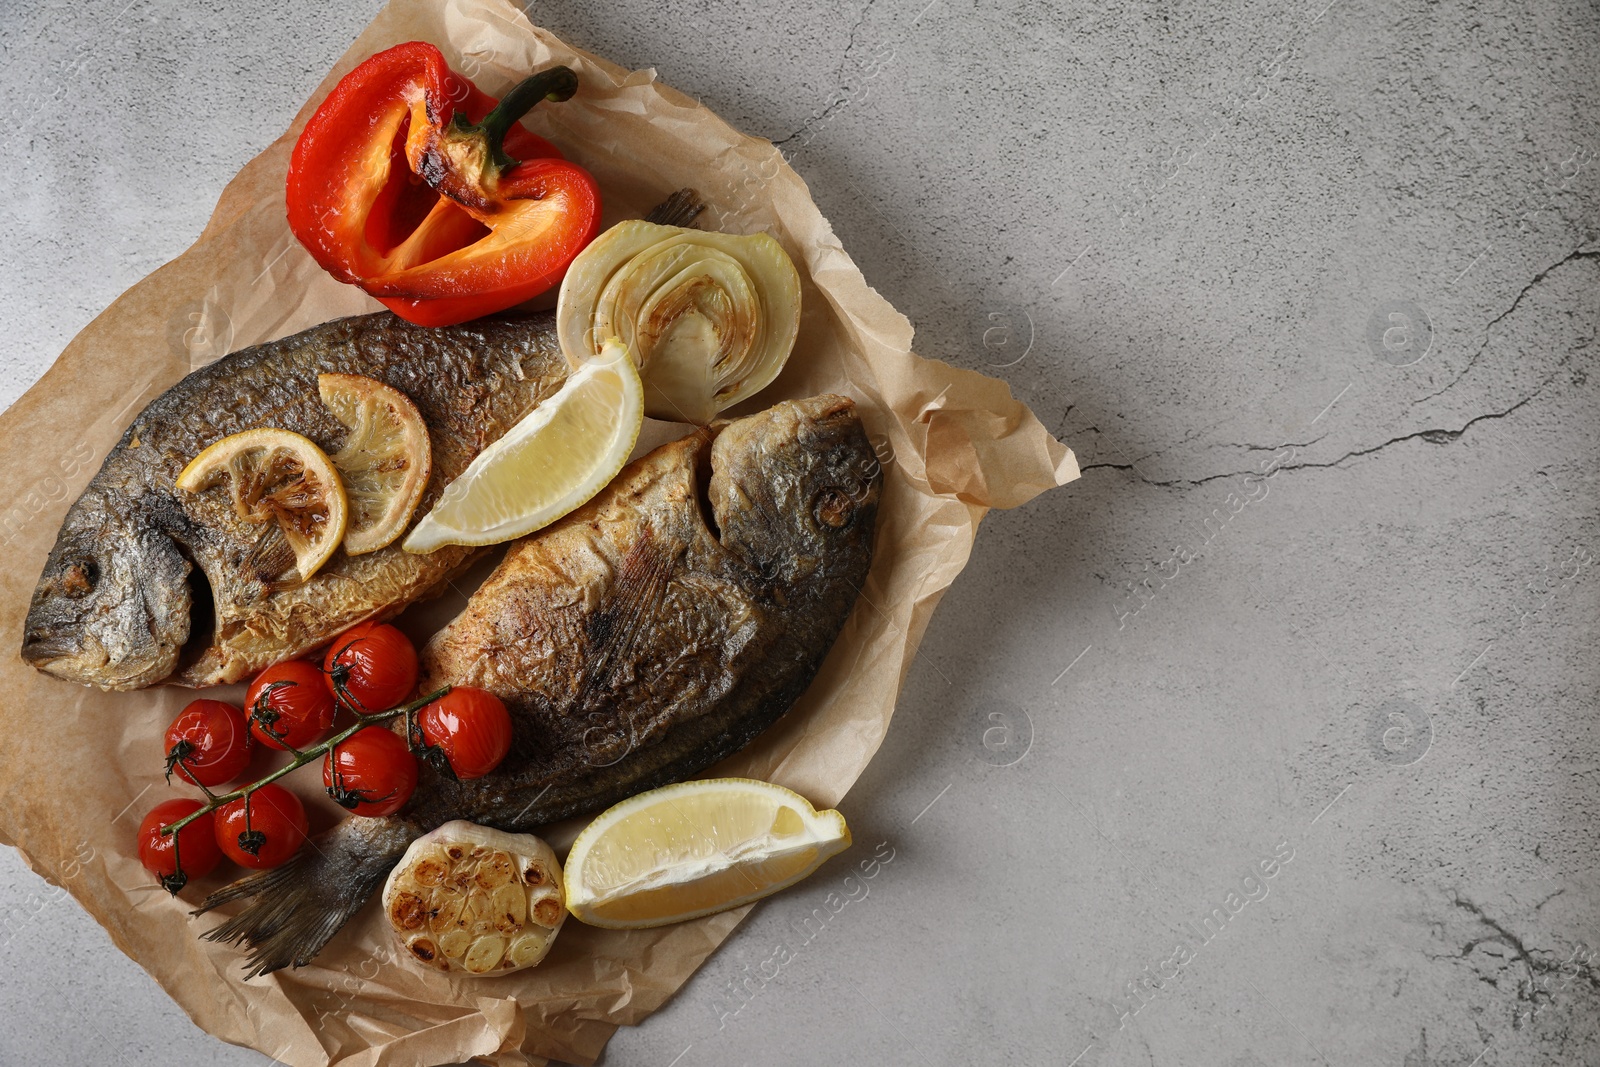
{"x": 112, "y": 607}
{"x": 794, "y": 489}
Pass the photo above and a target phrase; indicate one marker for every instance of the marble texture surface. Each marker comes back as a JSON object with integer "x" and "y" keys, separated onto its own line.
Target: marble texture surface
{"x": 1310, "y": 286}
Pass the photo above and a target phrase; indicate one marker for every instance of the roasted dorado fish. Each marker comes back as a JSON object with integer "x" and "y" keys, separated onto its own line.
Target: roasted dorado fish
{"x": 147, "y": 584}
{"x": 642, "y": 638}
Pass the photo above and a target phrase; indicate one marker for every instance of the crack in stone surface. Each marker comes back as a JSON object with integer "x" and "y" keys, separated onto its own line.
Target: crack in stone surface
{"x": 1504, "y": 935}
{"x": 838, "y": 78}
{"x": 1432, "y": 437}
{"x": 1528, "y": 957}
{"x": 1580, "y": 253}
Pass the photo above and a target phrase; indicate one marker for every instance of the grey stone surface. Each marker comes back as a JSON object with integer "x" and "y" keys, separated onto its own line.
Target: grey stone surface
{"x": 1326, "y": 584}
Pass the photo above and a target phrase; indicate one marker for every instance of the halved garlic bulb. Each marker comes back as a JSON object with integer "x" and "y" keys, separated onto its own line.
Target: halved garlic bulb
{"x": 469, "y": 899}
{"x": 710, "y": 317}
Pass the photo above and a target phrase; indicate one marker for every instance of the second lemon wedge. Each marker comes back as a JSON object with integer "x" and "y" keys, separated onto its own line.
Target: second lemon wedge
{"x": 691, "y": 849}
{"x": 560, "y": 454}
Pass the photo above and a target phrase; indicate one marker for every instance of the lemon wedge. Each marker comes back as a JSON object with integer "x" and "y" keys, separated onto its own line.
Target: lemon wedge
{"x": 695, "y": 848}
{"x": 385, "y": 459}
{"x": 277, "y": 476}
{"x": 562, "y": 453}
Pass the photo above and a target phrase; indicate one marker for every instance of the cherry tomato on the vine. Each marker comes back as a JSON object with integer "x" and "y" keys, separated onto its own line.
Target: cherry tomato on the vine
{"x": 471, "y": 726}
{"x": 208, "y": 743}
{"x": 289, "y": 705}
{"x": 276, "y": 826}
{"x": 371, "y": 773}
{"x": 371, "y": 667}
{"x": 192, "y": 850}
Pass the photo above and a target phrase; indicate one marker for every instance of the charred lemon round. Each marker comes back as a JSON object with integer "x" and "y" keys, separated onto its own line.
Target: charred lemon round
{"x": 276, "y": 476}
{"x": 384, "y": 462}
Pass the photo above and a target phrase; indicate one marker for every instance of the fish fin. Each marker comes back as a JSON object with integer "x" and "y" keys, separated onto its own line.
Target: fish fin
{"x": 626, "y": 612}
{"x": 297, "y": 908}
{"x": 272, "y": 555}
{"x": 679, "y": 209}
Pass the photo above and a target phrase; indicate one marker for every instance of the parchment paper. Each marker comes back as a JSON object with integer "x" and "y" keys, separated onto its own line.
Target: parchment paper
{"x": 954, "y": 444}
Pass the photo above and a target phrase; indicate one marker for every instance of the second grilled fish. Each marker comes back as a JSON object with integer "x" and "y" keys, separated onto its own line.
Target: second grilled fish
{"x": 647, "y": 635}
{"x": 147, "y": 584}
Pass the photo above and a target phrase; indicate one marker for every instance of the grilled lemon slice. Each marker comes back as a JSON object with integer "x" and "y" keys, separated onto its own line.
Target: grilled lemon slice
{"x": 276, "y": 476}
{"x": 384, "y": 461}
{"x": 560, "y": 454}
{"x": 691, "y": 849}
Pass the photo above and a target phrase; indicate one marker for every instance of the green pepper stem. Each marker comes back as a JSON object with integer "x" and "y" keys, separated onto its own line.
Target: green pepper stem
{"x": 556, "y": 84}
{"x": 302, "y": 758}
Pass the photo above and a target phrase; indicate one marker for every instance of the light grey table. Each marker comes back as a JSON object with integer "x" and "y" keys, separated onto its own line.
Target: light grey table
{"x": 1312, "y": 292}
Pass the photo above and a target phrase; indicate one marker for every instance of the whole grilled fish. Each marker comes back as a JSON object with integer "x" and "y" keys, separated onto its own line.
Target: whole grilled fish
{"x": 642, "y": 638}
{"x": 147, "y": 584}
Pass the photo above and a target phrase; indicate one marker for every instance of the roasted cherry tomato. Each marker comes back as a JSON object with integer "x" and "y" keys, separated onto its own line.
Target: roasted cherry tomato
{"x": 472, "y": 728}
{"x": 263, "y": 829}
{"x": 289, "y": 705}
{"x": 371, "y": 667}
{"x": 371, "y": 773}
{"x": 175, "y": 858}
{"x": 208, "y": 743}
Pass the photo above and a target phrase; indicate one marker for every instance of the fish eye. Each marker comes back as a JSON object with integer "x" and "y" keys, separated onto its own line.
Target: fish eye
{"x": 832, "y": 506}
{"x": 78, "y": 578}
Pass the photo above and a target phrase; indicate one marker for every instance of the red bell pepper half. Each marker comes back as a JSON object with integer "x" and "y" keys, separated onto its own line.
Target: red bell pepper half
{"x": 411, "y": 183}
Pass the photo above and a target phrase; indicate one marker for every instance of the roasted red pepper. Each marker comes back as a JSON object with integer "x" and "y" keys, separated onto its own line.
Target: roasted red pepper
{"x": 411, "y": 183}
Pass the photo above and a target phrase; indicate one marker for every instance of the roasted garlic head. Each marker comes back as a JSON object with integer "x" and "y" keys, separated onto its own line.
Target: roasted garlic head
{"x": 470, "y": 900}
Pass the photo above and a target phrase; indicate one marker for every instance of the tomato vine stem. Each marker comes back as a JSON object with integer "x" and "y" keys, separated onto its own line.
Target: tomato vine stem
{"x": 303, "y": 757}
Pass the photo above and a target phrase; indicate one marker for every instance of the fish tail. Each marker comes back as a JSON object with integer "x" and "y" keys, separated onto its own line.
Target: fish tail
{"x": 296, "y": 909}
{"x": 679, "y": 209}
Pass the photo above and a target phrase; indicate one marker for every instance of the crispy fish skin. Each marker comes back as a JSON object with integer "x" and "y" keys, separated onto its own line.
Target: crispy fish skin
{"x": 636, "y": 642}
{"x": 147, "y": 584}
